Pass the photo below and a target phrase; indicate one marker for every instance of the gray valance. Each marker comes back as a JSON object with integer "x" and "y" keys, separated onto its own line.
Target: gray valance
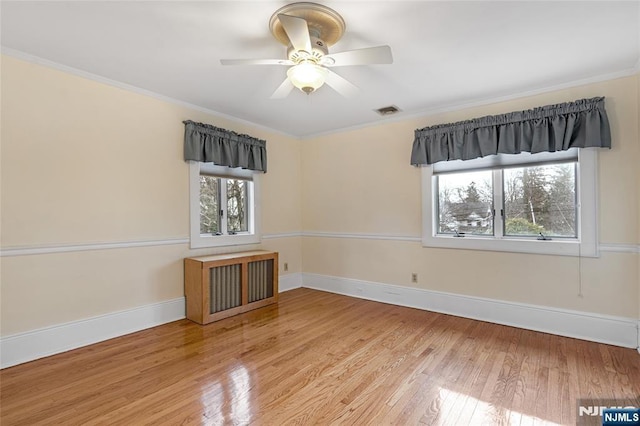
{"x": 210, "y": 144}
{"x": 579, "y": 124}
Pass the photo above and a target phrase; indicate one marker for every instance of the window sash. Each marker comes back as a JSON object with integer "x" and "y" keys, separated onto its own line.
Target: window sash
{"x": 245, "y": 199}
{"x": 218, "y": 207}
{"x": 458, "y": 232}
{"x": 498, "y": 206}
{"x": 547, "y": 233}
{"x": 223, "y": 210}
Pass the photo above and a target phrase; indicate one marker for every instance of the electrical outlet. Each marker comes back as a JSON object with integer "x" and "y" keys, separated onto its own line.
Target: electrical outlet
{"x": 414, "y": 277}
{"x": 285, "y": 266}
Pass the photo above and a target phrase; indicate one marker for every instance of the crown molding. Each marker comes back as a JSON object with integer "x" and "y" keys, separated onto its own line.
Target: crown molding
{"x": 429, "y": 112}
{"x": 401, "y": 117}
{"x": 17, "y": 54}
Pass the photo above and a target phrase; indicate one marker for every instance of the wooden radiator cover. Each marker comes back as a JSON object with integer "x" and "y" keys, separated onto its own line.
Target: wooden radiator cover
{"x": 223, "y": 285}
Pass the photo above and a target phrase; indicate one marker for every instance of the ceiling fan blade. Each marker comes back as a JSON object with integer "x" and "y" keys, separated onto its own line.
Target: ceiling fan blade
{"x": 298, "y": 32}
{"x": 256, "y": 62}
{"x": 283, "y": 90}
{"x": 366, "y": 56}
{"x": 341, "y": 85}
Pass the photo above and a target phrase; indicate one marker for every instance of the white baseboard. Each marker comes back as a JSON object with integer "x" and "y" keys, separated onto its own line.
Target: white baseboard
{"x": 289, "y": 282}
{"x": 612, "y": 330}
{"x": 32, "y": 345}
{"x": 24, "y": 347}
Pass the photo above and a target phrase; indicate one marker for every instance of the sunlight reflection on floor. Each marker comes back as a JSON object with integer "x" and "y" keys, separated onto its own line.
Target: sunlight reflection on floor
{"x": 230, "y": 404}
{"x": 457, "y": 408}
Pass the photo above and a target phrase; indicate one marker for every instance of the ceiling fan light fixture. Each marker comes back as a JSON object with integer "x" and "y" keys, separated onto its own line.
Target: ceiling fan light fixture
{"x": 307, "y": 76}
{"x": 307, "y": 29}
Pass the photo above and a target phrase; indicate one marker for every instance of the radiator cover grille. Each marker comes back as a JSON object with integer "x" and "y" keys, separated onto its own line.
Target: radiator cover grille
{"x": 226, "y": 286}
{"x": 260, "y": 280}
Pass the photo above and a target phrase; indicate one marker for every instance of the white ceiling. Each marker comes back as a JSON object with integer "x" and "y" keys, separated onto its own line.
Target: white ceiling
{"x": 446, "y": 54}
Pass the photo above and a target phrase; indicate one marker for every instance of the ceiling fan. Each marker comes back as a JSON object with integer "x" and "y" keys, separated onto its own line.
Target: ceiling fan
{"x": 308, "y": 29}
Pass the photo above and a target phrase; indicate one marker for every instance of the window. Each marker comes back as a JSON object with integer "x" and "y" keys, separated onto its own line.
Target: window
{"x": 540, "y": 200}
{"x": 224, "y": 208}
{"x": 532, "y": 203}
{"x": 217, "y": 193}
{"x": 465, "y": 203}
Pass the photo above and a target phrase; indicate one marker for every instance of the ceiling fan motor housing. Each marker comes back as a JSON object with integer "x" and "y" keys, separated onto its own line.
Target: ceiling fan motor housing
{"x": 323, "y": 22}
{"x": 318, "y": 50}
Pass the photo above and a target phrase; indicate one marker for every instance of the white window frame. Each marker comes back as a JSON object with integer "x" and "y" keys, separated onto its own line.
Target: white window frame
{"x": 585, "y": 245}
{"x": 253, "y": 236}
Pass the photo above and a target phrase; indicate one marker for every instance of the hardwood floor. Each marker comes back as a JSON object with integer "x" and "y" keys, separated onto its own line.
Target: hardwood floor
{"x": 321, "y": 358}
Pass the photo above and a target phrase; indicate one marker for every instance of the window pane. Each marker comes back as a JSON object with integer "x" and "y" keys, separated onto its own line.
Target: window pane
{"x": 541, "y": 199}
{"x": 464, "y": 203}
{"x": 237, "y": 205}
{"x": 209, "y": 205}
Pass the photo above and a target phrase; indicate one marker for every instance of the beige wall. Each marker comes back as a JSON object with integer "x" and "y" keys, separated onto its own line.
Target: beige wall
{"x": 83, "y": 163}
{"x": 135, "y": 188}
{"x": 361, "y": 182}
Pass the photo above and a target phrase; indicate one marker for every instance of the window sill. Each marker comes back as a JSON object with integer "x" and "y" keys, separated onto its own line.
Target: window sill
{"x": 202, "y": 241}
{"x": 512, "y": 245}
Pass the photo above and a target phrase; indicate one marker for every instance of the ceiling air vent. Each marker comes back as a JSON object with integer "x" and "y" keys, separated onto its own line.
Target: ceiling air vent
{"x": 388, "y": 110}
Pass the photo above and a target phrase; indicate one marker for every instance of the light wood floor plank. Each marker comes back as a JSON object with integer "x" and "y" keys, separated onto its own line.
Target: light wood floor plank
{"x": 321, "y": 358}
